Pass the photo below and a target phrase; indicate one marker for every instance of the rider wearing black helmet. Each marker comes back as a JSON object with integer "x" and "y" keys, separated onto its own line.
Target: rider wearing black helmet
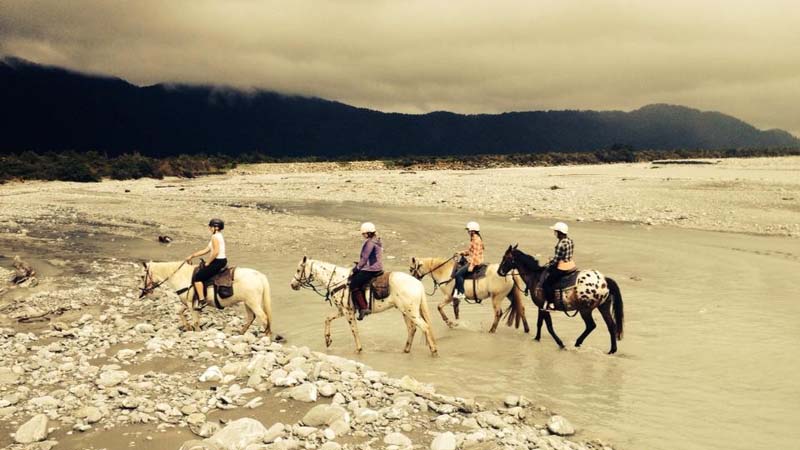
{"x": 218, "y": 260}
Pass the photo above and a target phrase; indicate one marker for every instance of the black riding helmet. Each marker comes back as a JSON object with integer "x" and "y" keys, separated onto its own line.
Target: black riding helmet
{"x": 217, "y": 223}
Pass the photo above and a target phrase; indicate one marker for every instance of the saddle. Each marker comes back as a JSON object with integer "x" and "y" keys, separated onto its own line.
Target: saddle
{"x": 379, "y": 287}
{"x": 478, "y": 272}
{"x": 561, "y": 288}
{"x": 222, "y": 282}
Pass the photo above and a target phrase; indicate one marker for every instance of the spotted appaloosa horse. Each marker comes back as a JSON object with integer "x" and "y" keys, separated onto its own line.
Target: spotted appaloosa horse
{"x": 592, "y": 290}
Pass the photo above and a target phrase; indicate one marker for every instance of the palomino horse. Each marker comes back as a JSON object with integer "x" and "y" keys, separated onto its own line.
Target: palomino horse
{"x": 592, "y": 290}
{"x": 249, "y": 286}
{"x": 405, "y": 293}
{"x": 493, "y": 285}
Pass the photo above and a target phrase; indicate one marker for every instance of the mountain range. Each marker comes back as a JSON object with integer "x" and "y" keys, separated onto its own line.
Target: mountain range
{"x": 53, "y": 109}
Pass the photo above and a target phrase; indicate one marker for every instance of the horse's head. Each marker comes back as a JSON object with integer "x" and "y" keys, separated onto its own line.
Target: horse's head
{"x": 147, "y": 280}
{"x": 303, "y": 275}
{"x": 416, "y": 268}
{"x": 508, "y": 262}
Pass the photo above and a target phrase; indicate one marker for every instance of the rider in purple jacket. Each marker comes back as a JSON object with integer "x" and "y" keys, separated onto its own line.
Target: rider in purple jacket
{"x": 369, "y": 266}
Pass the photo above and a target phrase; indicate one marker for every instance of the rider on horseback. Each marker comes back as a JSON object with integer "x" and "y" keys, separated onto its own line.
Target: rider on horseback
{"x": 561, "y": 264}
{"x": 369, "y": 266}
{"x": 474, "y": 256}
{"x": 218, "y": 261}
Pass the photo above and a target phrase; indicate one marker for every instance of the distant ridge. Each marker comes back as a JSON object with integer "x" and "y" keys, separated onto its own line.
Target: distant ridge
{"x": 53, "y": 109}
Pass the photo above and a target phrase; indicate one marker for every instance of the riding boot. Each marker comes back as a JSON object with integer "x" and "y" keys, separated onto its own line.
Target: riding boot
{"x": 361, "y": 303}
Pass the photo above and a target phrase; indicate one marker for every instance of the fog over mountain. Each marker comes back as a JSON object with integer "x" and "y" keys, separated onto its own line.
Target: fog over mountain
{"x": 53, "y": 109}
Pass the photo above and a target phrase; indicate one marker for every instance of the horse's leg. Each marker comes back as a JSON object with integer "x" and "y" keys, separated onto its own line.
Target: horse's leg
{"x": 605, "y": 311}
{"x": 328, "y": 320}
{"x": 448, "y": 298}
{"x": 498, "y": 311}
{"x": 250, "y": 316}
{"x": 539, "y": 322}
{"x": 412, "y": 330}
{"x": 549, "y": 322}
{"x": 351, "y": 318}
{"x": 586, "y": 314}
{"x": 181, "y": 310}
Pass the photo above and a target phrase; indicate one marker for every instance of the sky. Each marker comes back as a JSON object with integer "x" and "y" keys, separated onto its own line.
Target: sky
{"x": 737, "y": 57}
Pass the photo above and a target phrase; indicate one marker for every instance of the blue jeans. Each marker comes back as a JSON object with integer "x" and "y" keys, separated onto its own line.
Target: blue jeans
{"x": 459, "y": 276}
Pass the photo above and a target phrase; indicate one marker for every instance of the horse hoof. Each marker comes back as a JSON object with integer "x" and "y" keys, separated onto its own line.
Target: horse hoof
{"x": 537, "y": 339}
{"x": 612, "y": 351}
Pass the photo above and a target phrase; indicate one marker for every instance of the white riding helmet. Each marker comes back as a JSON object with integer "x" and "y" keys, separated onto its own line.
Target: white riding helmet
{"x": 473, "y": 226}
{"x": 561, "y": 227}
{"x": 367, "y": 227}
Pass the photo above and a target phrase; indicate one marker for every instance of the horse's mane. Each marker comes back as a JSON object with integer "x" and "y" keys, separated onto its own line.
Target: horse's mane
{"x": 526, "y": 260}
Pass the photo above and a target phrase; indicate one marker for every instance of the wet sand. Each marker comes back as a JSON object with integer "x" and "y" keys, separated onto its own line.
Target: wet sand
{"x": 707, "y": 359}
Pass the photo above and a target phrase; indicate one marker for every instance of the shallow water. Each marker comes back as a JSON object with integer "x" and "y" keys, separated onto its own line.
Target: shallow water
{"x": 708, "y": 360}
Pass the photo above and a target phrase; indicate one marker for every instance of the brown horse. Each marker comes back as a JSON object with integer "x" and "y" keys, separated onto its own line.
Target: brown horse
{"x": 591, "y": 291}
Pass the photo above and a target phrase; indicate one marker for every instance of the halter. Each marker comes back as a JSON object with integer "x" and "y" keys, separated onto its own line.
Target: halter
{"x": 415, "y": 273}
{"x": 148, "y": 278}
{"x": 307, "y": 282}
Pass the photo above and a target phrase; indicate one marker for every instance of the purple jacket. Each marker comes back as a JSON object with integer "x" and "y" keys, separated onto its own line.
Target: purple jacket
{"x": 371, "y": 256}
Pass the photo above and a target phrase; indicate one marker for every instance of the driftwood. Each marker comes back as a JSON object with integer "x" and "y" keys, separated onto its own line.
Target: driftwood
{"x": 23, "y": 271}
{"x": 164, "y": 239}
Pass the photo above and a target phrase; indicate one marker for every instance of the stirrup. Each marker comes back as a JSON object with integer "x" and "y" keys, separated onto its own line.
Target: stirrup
{"x": 199, "y": 304}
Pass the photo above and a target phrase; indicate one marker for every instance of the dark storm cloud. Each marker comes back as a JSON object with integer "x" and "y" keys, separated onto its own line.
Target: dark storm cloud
{"x": 739, "y": 57}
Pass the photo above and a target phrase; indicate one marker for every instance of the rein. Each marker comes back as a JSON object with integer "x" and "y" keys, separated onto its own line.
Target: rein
{"x": 307, "y": 282}
{"x": 148, "y": 277}
{"x": 436, "y": 284}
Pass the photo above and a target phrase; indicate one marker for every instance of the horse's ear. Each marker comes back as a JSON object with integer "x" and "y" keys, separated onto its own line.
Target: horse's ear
{"x": 413, "y": 260}
{"x": 144, "y": 264}
{"x": 516, "y": 245}
{"x": 304, "y": 258}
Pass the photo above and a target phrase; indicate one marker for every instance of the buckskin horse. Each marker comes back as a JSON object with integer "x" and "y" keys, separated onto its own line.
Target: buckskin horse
{"x": 405, "y": 293}
{"x": 250, "y": 287}
{"x": 491, "y": 286}
{"x": 591, "y": 290}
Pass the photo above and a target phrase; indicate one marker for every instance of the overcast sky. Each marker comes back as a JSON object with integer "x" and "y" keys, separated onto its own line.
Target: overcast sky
{"x": 734, "y": 56}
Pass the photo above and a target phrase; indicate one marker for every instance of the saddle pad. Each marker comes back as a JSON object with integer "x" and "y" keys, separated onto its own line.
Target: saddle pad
{"x": 224, "y": 278}
{"x": 379, "y": 286}
{"x": 477, "y": 273}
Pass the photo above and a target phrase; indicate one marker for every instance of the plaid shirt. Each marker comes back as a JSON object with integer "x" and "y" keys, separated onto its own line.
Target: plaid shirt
{"x": 564, "y": 249}
{"x": 475, "y": 251}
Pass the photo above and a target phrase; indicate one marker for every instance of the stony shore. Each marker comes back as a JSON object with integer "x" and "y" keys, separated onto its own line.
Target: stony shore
{"x": 105, "y": 363}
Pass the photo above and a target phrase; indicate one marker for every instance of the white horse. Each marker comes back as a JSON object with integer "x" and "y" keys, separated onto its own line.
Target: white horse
{"x": 405, "y": 293}
{"x": 491, "y": 286}
{"x": 249, "y": 286}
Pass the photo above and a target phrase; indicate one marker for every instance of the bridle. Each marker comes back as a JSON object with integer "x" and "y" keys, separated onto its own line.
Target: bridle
{"x": 307, "y": 282}
{"x": 415, "y": 272}
{"x": 149, "y": 285}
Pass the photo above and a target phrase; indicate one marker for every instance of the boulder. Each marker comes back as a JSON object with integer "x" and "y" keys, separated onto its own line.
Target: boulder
{"x": 398, "y": 439}
{"x": 34, "y": 430}
{"x": 111, "y": 378}
{"x": 200, "y": 445}
{"x": 560, "y": 426}
{"x": 325, "y": 415}
{"x": 444, "y": 441}
{"x": 306, "y": 392}
{"x": 240, "y": 433}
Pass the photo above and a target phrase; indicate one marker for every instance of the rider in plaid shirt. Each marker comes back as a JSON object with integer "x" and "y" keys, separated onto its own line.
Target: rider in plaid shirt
{"x": 474, "y": 257}
{"x": 561, "y": 264}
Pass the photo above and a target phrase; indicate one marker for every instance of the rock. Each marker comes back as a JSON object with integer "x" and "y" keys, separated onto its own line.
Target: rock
{"x": 196, "y": 419}
{"x": 212, "y": 374}
{"x": 560, "y": 426}
{"x": 327, "y": 390}
{"x": 275, "y": 431}
{"x": 125, "y": 353}
{"x": 34, "y": 430}
{"x": 416, "y": 387}
{"x": 90, "y": 413}
{"x": 238, "y": 434}
{"x": 306, "y": 392}
{"x": 511, "y": 400}
{"x": 367, "y": 415}
{"x": 330, "y": 446}
{"x": 205, "y": 429}
{"x": 112, "y": 378}
{"x": 325, "y": 415}
{"x": 8, "y": 376}
{"x": 444, "y": 441}
{"x": 397, "y": 439}
{"x": 200, "y": 445}
{"x": 341, "y": 427}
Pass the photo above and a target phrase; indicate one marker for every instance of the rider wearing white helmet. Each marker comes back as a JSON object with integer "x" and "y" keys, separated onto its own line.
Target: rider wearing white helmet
{"x": 370, "y": 265}
{"x": 474, "y": 256}
{"x": 218, "y": 261}
{"x": 561, "y": 264}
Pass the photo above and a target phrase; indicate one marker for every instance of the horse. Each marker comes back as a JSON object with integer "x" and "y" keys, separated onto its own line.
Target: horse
{"x": 405, "y": 293}
{"x": 492, "y": 286}
{"x": 250, "y": 287}
{"x": 592, "y": 290}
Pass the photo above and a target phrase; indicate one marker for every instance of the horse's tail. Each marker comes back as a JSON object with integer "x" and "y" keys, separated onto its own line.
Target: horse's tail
{"x": 516, "y": 311}
{"x": 423, "y": 309}
{"x": 266, "y": 302}
{"x": 619, "y": 314}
